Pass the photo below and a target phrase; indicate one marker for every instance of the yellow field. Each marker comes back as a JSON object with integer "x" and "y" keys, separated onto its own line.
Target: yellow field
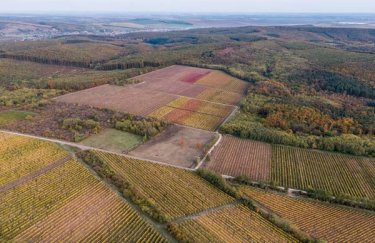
{"x": 20, "y": 156}
{"x": 175, "y": 191}
{"x": 69, "y": 204}
{"x": 220, "y": 80}
{"x": 321, "y": 220}
{"x": 232, "y": 224}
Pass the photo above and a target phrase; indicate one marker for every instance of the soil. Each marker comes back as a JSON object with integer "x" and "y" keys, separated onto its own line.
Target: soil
{"x": 177, "y": 145}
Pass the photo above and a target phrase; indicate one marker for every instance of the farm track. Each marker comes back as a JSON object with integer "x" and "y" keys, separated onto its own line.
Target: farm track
{"x": 84, "y": 147}
{"x": 35, "y": 174}
{"x": 204, "y": 212}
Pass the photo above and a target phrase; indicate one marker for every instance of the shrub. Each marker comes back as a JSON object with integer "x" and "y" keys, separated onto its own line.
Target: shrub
{"x": 217, "y": 181}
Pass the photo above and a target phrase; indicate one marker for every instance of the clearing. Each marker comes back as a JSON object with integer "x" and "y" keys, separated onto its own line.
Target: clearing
{"x": 9, "y": 117}
{"x": 113, "y": 140}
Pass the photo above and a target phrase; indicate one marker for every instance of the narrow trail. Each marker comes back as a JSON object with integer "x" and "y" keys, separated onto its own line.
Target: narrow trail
{"x": 35, "y": 174}
{"x": 204, "y": 212}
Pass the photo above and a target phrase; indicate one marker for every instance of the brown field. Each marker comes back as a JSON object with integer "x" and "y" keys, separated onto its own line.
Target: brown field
{"x": 180, "y": 110}
{"x": 160, "y": 93}
{"x": 321, "y": 220}
{"x": 195, "y": 83}
{"x": 235, "y": 157}
{"x": 124, "y": 99}
{"x": 177, "y": 145}
{"x": 231, "y": 224}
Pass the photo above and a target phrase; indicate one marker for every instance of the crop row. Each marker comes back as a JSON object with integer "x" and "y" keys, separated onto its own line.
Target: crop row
{"x": 96, "y": 215}
{"x": 34, "y": 200}
{"x": 220, "y": 80}
{"x": 335, "y": 173}
{"x": 321, "y": 220}
{"x": 241, "y": 157}
{"x": 175, "y": 192}
{"x": 220, "y": 96}
{"x": 20, "y": 156}
{"x": 231, "y": 224}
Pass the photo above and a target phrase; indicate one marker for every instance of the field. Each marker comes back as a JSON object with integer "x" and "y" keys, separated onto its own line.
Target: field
{"x": 8, "y": 117}
{"x": 320, "y": 220}
{"x": 123, "y": 99}
{"x": 332, "y": 172}
{"x": 177, "y": 145}
{"x": 63, "y": 202}
{"x": 194, "y": 113}
{"x": 175, "y": 192}
{"x": 113, "y": 140}
{"x": 20, "y": 156}
{"x": 240, "y": 157}
{"x": 180, "y": 110}
{"x": 185, "y": 81}
{"x": 231, "y": 224}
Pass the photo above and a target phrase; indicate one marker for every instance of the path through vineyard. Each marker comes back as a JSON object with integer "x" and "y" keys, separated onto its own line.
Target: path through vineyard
{"x": 35, "y": 174}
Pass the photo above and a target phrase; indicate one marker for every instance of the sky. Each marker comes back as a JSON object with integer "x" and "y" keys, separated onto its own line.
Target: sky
{"x": 195, "y": 6}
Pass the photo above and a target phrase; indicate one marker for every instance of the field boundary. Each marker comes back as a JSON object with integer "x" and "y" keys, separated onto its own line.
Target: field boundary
{"x": 205, "y": 212}
{"x": 35, "y": 174}
{"x": 209, "y": 151}
{"x": 84, "y": 147}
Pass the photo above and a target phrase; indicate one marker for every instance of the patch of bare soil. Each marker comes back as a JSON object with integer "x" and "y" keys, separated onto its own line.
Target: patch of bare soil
{"x": 179, "y": 146}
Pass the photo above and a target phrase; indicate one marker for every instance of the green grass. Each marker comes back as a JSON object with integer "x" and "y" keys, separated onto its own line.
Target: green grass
{"x": 8, "y": 117}
{"x": 113, "y": 140}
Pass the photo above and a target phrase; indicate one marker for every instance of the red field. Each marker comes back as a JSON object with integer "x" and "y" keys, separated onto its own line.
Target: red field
{"x": 193, "y": 77}
{"x": 237, "y": 157}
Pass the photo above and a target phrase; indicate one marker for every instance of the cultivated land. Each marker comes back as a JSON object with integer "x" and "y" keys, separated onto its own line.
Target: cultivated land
{"x": 199, "y": 83}
{"x": 335, "y": 173}
{"x": 174, "y": 192}
{"x": 231, "y": 224}
{"x": 170, "y": 98}
{"x": 241, "y": 157}
{"x": 180, "y": 146}
{"x": 64, "y": 197}
{"x": 308, "y": 87}
{"x": 320, "y": 220}
{"x": 113, "y": 140}
{"x": 20, "y": 156}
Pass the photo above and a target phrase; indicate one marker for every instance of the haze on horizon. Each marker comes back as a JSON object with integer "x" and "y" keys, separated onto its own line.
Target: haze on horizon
{"x": 191, "y": 6}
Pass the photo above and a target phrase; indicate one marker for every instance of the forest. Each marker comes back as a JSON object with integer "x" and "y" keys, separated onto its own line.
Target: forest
{"x": 309, "y": 87}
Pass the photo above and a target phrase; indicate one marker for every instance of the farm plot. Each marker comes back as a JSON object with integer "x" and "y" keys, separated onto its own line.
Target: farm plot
{"x": 20, "y": 156}
{"x": 239, "y": 157}
{"x": 323, "y": 221}
{"x": 231, "y": 224}
{"x": 69, "y": 204}
{"x": 175, "y": 192}
{"x": 335, "y": 173}
{"x": 175, "y": 73}
{"x": 180, "y": 110}
{"x": 113, "y": 140}
{"x": 221, "y": 80}
{"x": 96, "y": 215}
{"x": 194, "y": 113}
{"x": 177, "y": 145}
{"x": 183, "y": 80}
{"x": 124, "y": 99}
